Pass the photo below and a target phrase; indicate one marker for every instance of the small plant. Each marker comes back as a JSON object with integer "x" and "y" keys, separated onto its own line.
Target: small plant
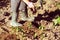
{"x": 35, "y": 35}
{"x": 17, "y": 29}
{"x": 30, "y": 25}
{"x": 20, "y": 29}
{"x": 41, "y": 27}
{"x": 56, "y": 21}
{"x": 14, "y": 30}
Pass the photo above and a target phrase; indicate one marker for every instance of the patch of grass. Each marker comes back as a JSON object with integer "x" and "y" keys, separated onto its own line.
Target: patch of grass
{"x": 16, "y": 30}
{"x": 56, "y": 21}
{"x": 20, "y": 29}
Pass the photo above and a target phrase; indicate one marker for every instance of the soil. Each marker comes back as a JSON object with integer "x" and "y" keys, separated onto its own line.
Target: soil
{"x": 30, "y": 30}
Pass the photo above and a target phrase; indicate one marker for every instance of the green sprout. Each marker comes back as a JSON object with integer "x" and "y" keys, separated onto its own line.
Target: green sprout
{"x": 41, "y": 27}
{"x": 30, "y": 25}
{"x": 35, "y": 34}
{"x": 21, "y": 29}
{"x": 17, "y": 29}
{"x": 56, "y": 21}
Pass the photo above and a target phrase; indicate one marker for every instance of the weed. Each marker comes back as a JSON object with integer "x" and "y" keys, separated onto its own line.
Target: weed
{"x": 30, "y": 25}
{"x": 41, "y": 27}
{"x": 56, "y": 21}
{"x": 35, "y": 35}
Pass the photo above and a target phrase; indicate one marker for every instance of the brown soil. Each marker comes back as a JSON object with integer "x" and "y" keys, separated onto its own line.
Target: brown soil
{"x": 30, "y": 30}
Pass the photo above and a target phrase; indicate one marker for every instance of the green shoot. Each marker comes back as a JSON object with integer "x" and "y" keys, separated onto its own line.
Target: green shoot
{"x": 35, "y": 35}
{"x": 56, "y": 21}
{"x": 30, "y": 25}
{"x": 41, "y": 27}
{"x": 17, "y": 29}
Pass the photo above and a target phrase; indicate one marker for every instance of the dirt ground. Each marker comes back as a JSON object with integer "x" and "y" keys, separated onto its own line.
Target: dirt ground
{"x": 42, "y": 28}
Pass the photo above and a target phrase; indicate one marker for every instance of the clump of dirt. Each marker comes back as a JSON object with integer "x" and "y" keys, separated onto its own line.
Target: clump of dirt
{"x": 4, "y": 3}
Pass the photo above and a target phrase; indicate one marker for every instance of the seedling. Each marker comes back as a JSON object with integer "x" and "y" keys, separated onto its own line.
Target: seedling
{"x": 41, "y": 27}
{"x": 35, "y": 35}
{"x": 16, "y": 29}
{"x": 30, "y": 25}
{"x": 56, "y": 21}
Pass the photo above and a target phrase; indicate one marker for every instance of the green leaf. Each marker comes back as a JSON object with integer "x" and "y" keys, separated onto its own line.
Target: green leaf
{"x": 41, "y": 27}
{"x": 57, "y": 21}
{"x": 35, "y": 34}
